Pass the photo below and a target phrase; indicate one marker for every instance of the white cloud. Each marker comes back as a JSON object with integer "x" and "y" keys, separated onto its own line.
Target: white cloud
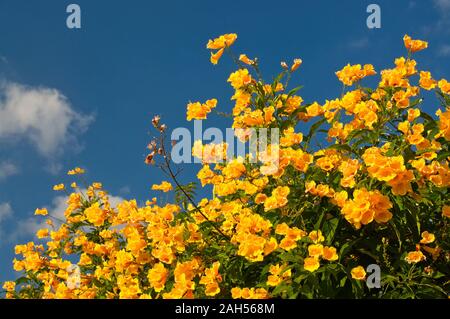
{"x": 54, "y": 168}
{"x": 7, "y": 169}
{"x": 125, "y": 190}
{"x": 443, "y": 5}
{"x": 412, "y": 4}
{"x": 359, "y": 43}
{"x": 43, "y": 116}
{"x": 5, "y": 211}
{"x": 444, "y": 50}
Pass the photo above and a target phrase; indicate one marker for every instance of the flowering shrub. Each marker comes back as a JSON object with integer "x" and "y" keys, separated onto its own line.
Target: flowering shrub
{"x": 304, "y": 226}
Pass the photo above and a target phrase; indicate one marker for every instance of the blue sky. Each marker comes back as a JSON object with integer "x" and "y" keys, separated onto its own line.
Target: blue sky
{"x": 86, "y": 97}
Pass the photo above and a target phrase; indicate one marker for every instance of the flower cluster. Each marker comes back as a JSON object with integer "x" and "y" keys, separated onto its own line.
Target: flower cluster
{"x": 366, "y": 183}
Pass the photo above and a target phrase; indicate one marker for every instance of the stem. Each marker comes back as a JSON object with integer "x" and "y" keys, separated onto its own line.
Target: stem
{"x": 172, "y": 175}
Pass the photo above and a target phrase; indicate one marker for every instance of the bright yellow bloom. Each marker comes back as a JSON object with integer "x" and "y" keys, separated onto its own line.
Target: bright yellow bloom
{"x": 244, "y": 58}
{"x": 367, "y": 206}
{"x": 444, "y": 85}
{"x": 41, "y": 211}
{"x": 297, "y": 63}
{"x": 76, "y": 171}
{"x": 414, "y": 45}
{"x": 329, "y": 253}
{"x": 223, "y": 41}
{"x": 157, "y": 276}
{"x": 59, "y": 187}
{"x": 277, "y": 275}
{"x": 249, "y": 293}
{"x": 97, "y": 185}
{"x": 446, "y": 211}
{"x": 414, "y": 257}
{"x": 354, "y": 73}
{"x": 240, "y": 78}
{"x": 95, "y": 215}
{"x": 42, "y": 233}
{"x": 311, "y": 264}
{"x": 198, "y": 111}
{"x": 358, "y": 273}
{"x": 215, "y": 57}
{"x": 426, "y": 81}
{"x": 164, "y": 186}
{"x": 278, "y": 198}
{"x": 316, "y": 236}
{"x": 9, "y": 286}
{"x": 315, "y": 250}
{"x": 427, "y": 238}
{"x": 444, "y": 124}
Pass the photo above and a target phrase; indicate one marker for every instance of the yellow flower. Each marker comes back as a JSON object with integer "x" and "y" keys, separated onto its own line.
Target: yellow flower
{"x": 353, "y": 73}
{"x": 444, "y": 85}
{"x": 215, "y": 57}
{"x": 236, "y": 293}
{"x": 41, "y": 211}
{"x": 210, "y": 279}
{"x": 76, "y": 171}
{"x": 221, "y": 42}
{"x": 164, "y": 186}
{"x": 240, "y": 78}
{"x": 329, "y": 253}
{"x": 414, "y": 257}
{"x": 42, "y": 233}
{"x": 249, "y": 293}
{"x": 157, "y": 276}
{"x": 95, "y": 215}
{"x": 243, "y": 58}
{"x": 97, "y": 185}
{"x": 9, "y": 286}
{"x": 297, "y": 63}
{"x": 413, "y": 114}
{"x": 278, "y": 198}
{"x": 426, "y": 81}
{"x": 315, "y": 250}
{"x": 59, "y": 187}
{"x": 198, "y": 111}
{"x": 446, "y": 211}
{"x": 316, "y": 236}
{"x": 311, "y": 264}
{"x": 414, "y": 45}
{"x": 427, "y": 238}
{"x": 358, "y": 273}
{"x": 277, "y": 275}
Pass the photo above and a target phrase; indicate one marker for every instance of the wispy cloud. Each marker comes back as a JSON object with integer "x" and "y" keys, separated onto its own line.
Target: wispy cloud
{"x": 125, "y": 190}
{"x": 5, "y": 211}
{"x": 7, "y": 169}
{"x": 444, "y": 50}
{"x": 359, "y": 43}
{"x": 443, "y": 23}
{"x": 443, "y": 5}
{"x": 412, "y": 4}
{"x": 43, "y": 116}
